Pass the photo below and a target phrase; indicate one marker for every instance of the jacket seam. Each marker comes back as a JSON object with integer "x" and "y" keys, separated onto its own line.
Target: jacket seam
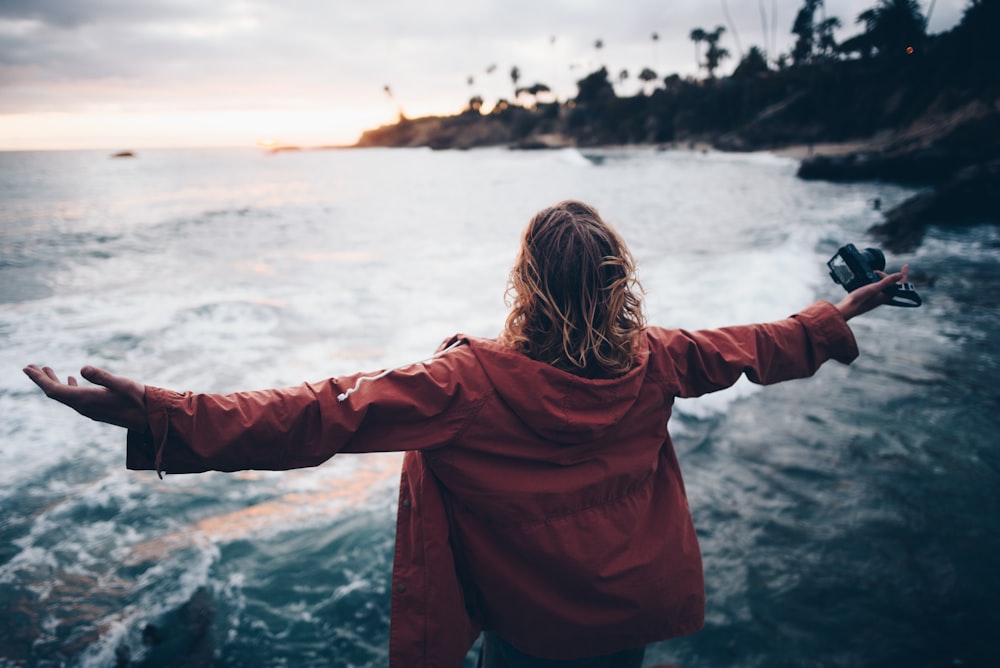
{"x": 480, "y": 403}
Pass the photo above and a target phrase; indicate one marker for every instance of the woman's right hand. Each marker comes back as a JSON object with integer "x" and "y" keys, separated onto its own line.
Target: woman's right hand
{"x": 112, "y": 399}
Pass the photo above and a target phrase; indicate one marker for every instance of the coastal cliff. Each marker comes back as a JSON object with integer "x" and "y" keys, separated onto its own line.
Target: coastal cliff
{"x": 928, "y": 117}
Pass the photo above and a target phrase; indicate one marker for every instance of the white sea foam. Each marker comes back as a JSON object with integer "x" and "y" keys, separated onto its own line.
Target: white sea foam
{"x": 572, "y": 156}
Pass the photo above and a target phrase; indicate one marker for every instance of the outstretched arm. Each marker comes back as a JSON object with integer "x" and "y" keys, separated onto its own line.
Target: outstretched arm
{"x": 870, "y": 296}
{"x": 113, "y": 399}
{"x": 415, "y": 407}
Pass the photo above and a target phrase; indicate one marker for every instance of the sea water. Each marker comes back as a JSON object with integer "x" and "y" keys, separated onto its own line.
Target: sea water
{"x": 850, "y": 519}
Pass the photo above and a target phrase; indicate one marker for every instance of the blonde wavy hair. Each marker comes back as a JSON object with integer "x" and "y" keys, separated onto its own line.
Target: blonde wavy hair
{"x": 575, "y": 301}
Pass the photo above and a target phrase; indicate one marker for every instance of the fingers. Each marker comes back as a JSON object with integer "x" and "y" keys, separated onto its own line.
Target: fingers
{"x": 36, "y": 375}
{"x": 902, "y": 276}
{"x": 106, "y": 379}
{"x": 121, "y": 385}
{"x": 96, "y": 375}
{"x": 45, "y": 377}
{"x": 891, "y": 279}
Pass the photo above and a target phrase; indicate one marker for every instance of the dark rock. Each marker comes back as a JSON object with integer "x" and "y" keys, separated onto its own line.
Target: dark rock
{"x": 151, "y": 635}
{"x": 971, "y": 196}
{"x": 850, "y": 167}
{"x": 542, "y": 142}
{"x": 184, "y": 637}
{"x": 927, "y": 153}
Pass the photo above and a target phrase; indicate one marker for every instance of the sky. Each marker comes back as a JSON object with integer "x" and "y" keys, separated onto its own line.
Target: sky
{"x": 127, "y": 74}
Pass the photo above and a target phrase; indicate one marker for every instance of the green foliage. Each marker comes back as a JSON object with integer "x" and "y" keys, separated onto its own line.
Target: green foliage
{"x": 594, "y": 88}
{"x": 515, "y": 76}
{"x": 752, "y": 64}
{"x": 893, "y": 26}
{"x": 714, "y": 54}
{"x": 804, "y": 30}
{"x": 823, "y": 98}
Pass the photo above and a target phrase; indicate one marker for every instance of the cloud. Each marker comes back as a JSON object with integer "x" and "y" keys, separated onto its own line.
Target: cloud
{"x": 156, "y": 56}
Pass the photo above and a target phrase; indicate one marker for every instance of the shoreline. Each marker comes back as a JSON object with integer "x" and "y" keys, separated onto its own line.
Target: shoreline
{"x": 836, "y": 149}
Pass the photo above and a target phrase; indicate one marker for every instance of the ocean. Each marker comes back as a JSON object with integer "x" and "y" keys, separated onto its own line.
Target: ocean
{"x": 849, "y": 519}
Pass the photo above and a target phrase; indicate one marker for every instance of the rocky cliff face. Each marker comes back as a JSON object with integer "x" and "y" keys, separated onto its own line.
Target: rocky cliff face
{"x": 957, "y": 154}
{"x": 467, "y": 130}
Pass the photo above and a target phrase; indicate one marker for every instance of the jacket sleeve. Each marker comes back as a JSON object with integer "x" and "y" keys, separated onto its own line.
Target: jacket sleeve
{"x": 709, "y": 360}
{"x": 417, "y": 407}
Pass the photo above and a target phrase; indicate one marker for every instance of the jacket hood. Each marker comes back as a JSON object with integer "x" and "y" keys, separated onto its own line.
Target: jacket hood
{"x": 557, "y": 405}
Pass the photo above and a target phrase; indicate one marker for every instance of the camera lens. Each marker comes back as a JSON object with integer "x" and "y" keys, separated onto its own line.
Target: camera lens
{"x": 875, "y": 258}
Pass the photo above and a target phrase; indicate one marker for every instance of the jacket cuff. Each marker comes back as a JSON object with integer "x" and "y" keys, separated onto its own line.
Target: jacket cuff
{"x": 144, "y": 450}
{"x": 829, "y": 331}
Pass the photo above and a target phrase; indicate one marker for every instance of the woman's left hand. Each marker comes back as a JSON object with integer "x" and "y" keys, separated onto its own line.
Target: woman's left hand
{"x": 112, "y": 399}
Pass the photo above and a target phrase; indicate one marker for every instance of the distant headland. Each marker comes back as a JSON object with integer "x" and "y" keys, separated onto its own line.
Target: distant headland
{"x": 895, "y": 103}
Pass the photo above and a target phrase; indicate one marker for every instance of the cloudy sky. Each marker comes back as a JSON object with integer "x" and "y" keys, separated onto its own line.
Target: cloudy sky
{"x": 116, "y": 74}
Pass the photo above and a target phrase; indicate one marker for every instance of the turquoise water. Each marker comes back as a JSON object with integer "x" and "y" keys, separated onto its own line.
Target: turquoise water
{"x": 848, "y": 519}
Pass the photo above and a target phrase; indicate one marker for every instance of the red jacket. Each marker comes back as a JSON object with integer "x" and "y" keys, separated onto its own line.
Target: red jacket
{"x": 547, "y": 507}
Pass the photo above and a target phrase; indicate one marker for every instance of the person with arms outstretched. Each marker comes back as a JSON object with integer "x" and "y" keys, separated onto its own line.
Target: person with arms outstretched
{"x": 541, "y": 500}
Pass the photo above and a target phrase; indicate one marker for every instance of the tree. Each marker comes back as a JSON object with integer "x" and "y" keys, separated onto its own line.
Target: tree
{"x": 515, "y": 76}
{"x": 826, "y": 44}
{"x": 594, "y": 88}
{"x": 976, "y": 55}
{"x": 752, "y": 64}
{"x": 646, "y": 76}
{"x": 598, "y": 45}
{"x": 804, "y": 29}
{"x": 672, "y": 83}
{"x": 698, "y": 36}
{"x": 893, "y": 26}
{"x": 714, "y": 54}
{"x": 534, "y": 91}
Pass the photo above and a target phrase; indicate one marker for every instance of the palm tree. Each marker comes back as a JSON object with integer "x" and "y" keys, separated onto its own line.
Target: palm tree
{"x": 826, "y": 45}
{"x": 698, "y": 36}
{"x": 534, "y": 91}
{"x": 893, "y": 26}
{"x": 515, "y": 76}
{"x": 598, "y": 45}
{"x": 804, "y": 29}
{"x": 646, "y": 76}
{"x": 714, "y": 54}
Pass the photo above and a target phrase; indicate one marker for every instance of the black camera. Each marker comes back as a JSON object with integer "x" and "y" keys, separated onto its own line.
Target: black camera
{"x": 853, "y": 269}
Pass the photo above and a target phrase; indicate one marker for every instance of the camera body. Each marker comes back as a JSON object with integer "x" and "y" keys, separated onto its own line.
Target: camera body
{"x": 853, "y": 269}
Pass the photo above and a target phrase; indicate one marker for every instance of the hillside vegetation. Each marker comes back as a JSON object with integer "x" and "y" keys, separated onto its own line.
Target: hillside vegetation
{"x": 925, "y": 110}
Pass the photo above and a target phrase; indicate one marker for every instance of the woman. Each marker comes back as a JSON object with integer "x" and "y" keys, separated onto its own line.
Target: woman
{"x": 540, "y": 498}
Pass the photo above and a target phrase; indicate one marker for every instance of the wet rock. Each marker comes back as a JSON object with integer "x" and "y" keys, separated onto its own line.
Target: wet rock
{"x": 184, "y": 636}
{"x": 971, "y": 196}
